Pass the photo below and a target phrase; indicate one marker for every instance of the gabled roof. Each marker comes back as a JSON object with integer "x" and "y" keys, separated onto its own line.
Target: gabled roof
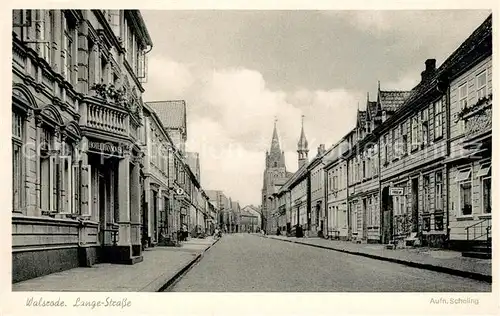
{"x": 172, "y": 113}
{"x": 361, "y": 117}
{"x": 371, "y": 110}
{"x": 391, "y": 101}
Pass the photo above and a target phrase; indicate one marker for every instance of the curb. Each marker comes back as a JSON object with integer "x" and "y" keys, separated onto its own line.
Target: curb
{"x": 451, "y": 271}
{"x": 168, "y": 283}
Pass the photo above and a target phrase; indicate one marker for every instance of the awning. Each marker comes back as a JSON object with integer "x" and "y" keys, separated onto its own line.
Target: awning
{"x": 485, "y": 170}
{"x": 463, "y": 175}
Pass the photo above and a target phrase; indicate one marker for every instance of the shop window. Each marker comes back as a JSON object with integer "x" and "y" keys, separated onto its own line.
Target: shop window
{"x": 426, "y": 223}
{"x": 484, "y": 175}
{"x": 465, "y": 192}
{"x": 427, "y": 194}
{"x": 439, "y": 222}
{"x": 438, "y": 198}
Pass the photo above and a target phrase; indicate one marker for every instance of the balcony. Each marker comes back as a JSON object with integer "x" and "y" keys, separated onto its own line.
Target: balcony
{"x": 111, "y": 112}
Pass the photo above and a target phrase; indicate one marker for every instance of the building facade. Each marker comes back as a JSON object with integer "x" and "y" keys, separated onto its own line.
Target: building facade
{"x": 336, "y": 191}
{"x": 76, "y": 117}
{"x": 470, "y": 128}
{"x": 317, "y": 193}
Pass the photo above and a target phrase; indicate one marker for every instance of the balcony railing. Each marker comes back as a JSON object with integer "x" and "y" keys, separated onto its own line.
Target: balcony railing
{"x": 107, "y": 119}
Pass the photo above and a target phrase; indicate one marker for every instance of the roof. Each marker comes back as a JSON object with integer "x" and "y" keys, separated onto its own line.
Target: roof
{"x": 302, "y": 144}
{"x": 361, "y": 116}
{"x": 171, "y": 113}
{"x": 371, "y": 109}
{"x": 297, "y": 175}
{"x": 391, "y": 101}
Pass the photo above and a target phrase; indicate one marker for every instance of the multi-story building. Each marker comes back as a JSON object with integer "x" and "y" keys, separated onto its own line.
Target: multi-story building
{"x": 317, "y": 208}
{"x": 158, "y": 195}
{"x": 251, "y": 219}
{"x": 236, "y": 216}
{"x": 468, "y": 198}
{"x": 221, "y": 203}
{"x": 76, "y": 107}
{"x": 336, "y": 191}
{"x": 364, "y": 166}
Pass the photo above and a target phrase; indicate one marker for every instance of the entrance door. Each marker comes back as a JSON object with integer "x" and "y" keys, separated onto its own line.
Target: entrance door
{"x": 154, "y": 209}
{"x": 387, "y": 231}
{"x": 102, "y": 206}
{"x": 414, "y": 199}
{"x": 365, "y": 232}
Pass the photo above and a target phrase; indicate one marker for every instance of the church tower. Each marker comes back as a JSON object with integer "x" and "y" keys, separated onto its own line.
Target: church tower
{"x": 302, "y": 147}
{"x": 274, "y": 173}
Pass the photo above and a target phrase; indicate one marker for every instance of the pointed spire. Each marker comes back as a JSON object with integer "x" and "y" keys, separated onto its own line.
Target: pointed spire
{"x": 302, "y": 145}
{"x": 275, "y": 143}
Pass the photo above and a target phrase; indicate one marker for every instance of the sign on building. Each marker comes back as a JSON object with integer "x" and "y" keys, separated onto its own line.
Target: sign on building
{"x": 396, "y": 191}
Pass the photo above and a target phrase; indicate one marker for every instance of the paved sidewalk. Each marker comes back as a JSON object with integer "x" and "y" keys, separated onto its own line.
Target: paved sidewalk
{"x": 159, "y": 267}
{"x": 440, "y": 260}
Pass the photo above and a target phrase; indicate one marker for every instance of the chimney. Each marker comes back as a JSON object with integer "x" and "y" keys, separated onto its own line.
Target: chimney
{"x": 321, "y": 149}
{"x": 430, "y": 69}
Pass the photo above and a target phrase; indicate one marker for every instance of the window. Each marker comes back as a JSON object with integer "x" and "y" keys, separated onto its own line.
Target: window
{"x": 69, "y": 44}
{"x": 404, "y": 139}
{"x": 465, "y": 192}
{"x": 425, "y": 127}
{"x": 399, "y": 202}
{"x": 427, "y": 194}
{"x": 17, "y": 176}
{"x": 481, "y": 85}
{"x": 438, "y": 119}
{"x": 369, "y": 164}
{"x": 48, "y": 173}
{"x": 426, "y": 223}
{"x": 384, "y": 160}
{"x": 462, "y": 96}
{"x": 415, "y": 139}
{"x": 484, "y": 175}
{"x": 375, "y": 160}
{"x": 438, "y": 198}
{"x": 394, "y": 144}
{"x": 67, "y": 184}
{"x": 363, "y": 168}
{"x": 439, "y": 222}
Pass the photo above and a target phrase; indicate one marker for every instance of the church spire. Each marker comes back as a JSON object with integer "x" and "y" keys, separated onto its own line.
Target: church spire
{"x": 302, "y": 149}
{"x": 275, "y": 143}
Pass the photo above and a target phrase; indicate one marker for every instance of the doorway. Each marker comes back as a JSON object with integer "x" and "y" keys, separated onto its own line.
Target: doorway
{"x": 102, "y": 205}
{"x": 154, "y": 209}
{"x": 414, "y": 202}
{"x": 365, "y": 231}
{"x": 387, "y": 218}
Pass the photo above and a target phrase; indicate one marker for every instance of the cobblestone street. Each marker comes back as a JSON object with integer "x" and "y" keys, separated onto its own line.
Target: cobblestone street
{"x": 249, "y": 263}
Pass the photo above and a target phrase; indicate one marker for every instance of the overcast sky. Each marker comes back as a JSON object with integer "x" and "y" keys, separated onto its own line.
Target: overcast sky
{"x": 237, "y": 70}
